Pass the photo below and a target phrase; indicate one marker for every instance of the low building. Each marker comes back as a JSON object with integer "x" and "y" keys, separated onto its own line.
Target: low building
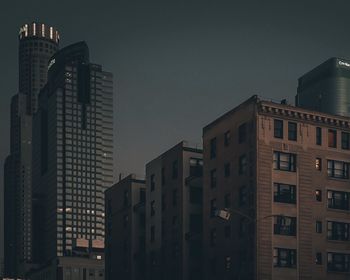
{"x": 281, "y": 174}
{"x": 125, "y": 229}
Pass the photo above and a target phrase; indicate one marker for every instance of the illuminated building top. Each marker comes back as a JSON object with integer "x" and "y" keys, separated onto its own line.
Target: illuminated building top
{"x": 39, "y": 30}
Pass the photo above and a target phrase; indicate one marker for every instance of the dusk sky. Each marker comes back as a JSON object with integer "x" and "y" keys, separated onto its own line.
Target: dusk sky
{"x": 178, "y": 65}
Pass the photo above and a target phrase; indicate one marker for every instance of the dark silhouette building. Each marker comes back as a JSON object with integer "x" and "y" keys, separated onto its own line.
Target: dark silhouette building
{"x": 72, "y": 166}
{"x": 276, "y": 194}
{"x": 125, "y": 229}
{"x": 37, "y": 43}
{"x": 326, "y": 88}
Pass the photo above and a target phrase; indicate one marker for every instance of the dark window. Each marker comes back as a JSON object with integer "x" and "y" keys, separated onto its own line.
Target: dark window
{"x": 213, "y": 237}
{"x": 213, "y": 148}
{"x": 153, "y": 183}
{"x": 278, "y": 129}
{"x": 285, "y": 225}
{"x": 318, "y": 164}
{"x": 284, "y": 193}
{"x": 153, "y": 233}
{"x": 152, "y": 208}
{"x": 242, "y": 133}
{"x": 338, "y": 200}
{"x": 142, "y": 196}
{"x": 227, "y": 138}
{"x": 163, "y": 176}
{"x": 175, "y": 169}
{"x": 318, "y": 259}
{"x": 284, "y": 161}
{"x": 126, "y": 198}
{"x": 292, "y": 131}
{"x": 332, "y": 138}
{"x": 195, "y": 195}
{"x": 242, "y": 164}
{"x": 174, "y": 197}
{"x": 196, "y": 167}
{"x": 345, "y": 140}
{"x": 213, "y": 178}
{"x": 243, "y": 196}
{"x": 318, "y": 227}
{"x": 338, "y": 169}
{"x": 227, "y": 169}
{"x": 318, "y": 136}
{"x": 227, "y": 200}
{"x": 228, "y": 263}
{"x": 338, "y": 262}
{"x": 318, "y": 195}
{"x": 126, "y": 220}
{"x": 284, "y": 257}
{"x": 213, "y": 207}
{"x": 338, "y": 231}
{"x": 243, "y": 227}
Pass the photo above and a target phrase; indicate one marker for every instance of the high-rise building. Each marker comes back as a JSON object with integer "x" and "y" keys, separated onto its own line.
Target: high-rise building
{"x": 125, "y": 229}
{"x": 73, "y": 166}
{"x": 276, "y": 194}
{"x": 326, "y": 88}
{"x": 174, "y": 214}
{"x": 37, "y": 43}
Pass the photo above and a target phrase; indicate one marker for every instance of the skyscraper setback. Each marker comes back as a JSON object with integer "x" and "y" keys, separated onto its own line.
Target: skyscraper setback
{"x": 73, "y": 165}
{"x": 37, "y": 43}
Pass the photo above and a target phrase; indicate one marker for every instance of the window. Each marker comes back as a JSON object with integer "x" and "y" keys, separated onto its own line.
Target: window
{"x": 318, "y": 227}
{"x": 318, "y": 136}
{"x": 318, "y": 258}
{"x": 228, "y": 263}
{"x": 285, "y": 225}
{"x": 338, "y": 231}
{"x": 338, "y": 262}
{"x": 227, "y": 231}
{"x": 213, "y": 178}
{"x": 278, "y": 129}
{"x": 213, "y": 207}
{"x": 284, "y": 161}
{"x": 213, "y": 237}
{"x": 318, "y": 195}
{"x": 345, "y": 140}
{"x": 227, "y": 200}
{"x": 284, "y": 193}
{"x": 196, "y": 167}
{"x": 126, "y": 198}
{"x": 242, "y": 133}
{"x": 213, "y": 148}
{"x": 338, "y": 200}
{"x": 175, "y": 169}
{"x": 338, "y": 169}
{"x": 243, "y": 196}
{"x": 227, "y": 138}
{"x": 332, "y": 138}
{"x": 227, "y": 169}
{"x": 284, "y": 257}
{"x": 242, "y": 164}
{"x": 153, "y": 184}
{"x": 243, "y": 227}
{"x": 318, "y": 164}
{"x": 152, "y": 208}
{"x": 292, "y": 131}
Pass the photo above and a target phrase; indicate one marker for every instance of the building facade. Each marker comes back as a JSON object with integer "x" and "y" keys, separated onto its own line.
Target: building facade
{"x": 125, "y": 229}
{"x": 326, "y": 88}
{"x": 282, "y": 173}
{"x": 73, "y": 166}
{"x": 174, "y": 214}
{"x": 37, "y": 43}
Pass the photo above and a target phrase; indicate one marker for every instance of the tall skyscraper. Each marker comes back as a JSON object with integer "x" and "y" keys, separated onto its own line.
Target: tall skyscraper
{"x": 326, "y": 88}
{"x": 37, "y": 43}
{"x": 174, "y": 214}
{"x": 73, "y": 166}
{"x": 276, "y": 194}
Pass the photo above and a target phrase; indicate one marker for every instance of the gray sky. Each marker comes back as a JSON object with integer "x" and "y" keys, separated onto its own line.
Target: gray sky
{"x": 180, "y": 64}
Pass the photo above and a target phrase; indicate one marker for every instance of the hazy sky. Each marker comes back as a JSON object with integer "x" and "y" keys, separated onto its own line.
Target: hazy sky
{"x": 180, "y": 64}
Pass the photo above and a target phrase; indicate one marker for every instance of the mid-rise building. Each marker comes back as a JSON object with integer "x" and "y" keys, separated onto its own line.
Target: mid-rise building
{"x": 125, "y": 229}
{"x": 73, "y": 166}
{"x": 326, "y": 88}
{"x": 37, "y": 43}
{"x": 276, "y": 194}
{"x": 174, "y": 214}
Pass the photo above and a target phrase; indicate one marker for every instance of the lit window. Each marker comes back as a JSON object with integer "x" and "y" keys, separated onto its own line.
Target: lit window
{"x": 34, "y": 29}
{"x": 43, "y": 30}
{"x": 51, "y": 33}
{"x": 318, "y": 164}
{"x": 26, "y": 30}
{"x": 99, "y": 257}
{"x": 318, "y": 194}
